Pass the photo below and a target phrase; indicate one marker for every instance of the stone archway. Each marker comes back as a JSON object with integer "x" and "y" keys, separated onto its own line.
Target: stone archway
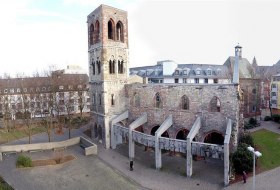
{"x": 182, "y": 134}
{"x": 155, "y": 128}
{"x": 214, "y": 137}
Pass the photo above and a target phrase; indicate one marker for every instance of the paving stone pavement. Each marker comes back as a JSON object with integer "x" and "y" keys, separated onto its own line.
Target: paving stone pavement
{"x": 207, "y": 174}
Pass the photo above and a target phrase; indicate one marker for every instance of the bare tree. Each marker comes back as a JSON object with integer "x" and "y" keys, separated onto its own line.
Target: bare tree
{"x": 69, "y": 103}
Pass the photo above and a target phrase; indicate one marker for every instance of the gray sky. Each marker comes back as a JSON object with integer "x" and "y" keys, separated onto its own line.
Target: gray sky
{"x": 38, "y": 33}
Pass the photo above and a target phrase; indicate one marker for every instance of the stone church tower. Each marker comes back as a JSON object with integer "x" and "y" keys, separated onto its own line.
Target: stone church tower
{"x": 108, "y": 67}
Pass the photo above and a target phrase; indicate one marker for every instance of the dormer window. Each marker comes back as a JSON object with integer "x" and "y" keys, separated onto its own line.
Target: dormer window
{"x": 209, "y": 72}
{"x": 198, "y": 71}
{"x": 185, "y": 72}
{"x": 176, "y": 72}
{"x": 218, "y": 71}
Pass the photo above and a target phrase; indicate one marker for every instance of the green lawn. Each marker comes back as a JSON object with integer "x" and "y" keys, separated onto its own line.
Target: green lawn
{"x": 17, "y": 134}
{"x": 268, "y": 143}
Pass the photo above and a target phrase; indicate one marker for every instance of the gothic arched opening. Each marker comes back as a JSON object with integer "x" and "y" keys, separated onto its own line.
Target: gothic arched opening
{"x": 155, "y": 128}
{"x": 99, "y": 132}
{"x": 120, "y": 36}
{"x": 96, "y": 33}
{"x": 214, "y": 138}
{"x": 95, "y": 130}
{"x": 215, "y": 104}
{"x": 182, "y": 134}
{"x": 91, "y": 36}
{"x": 111, "y": 30}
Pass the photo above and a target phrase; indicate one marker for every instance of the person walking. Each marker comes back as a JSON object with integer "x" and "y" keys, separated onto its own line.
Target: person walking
{"x": 244, "y": 176}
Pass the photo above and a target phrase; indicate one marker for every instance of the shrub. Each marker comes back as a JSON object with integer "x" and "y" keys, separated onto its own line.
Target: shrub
{"x": 23, "y": 161}
{"x": 246, "y": 139}
{"x": 248, "y": 126}
{"x": 267, "y": 118}
{"x": 276, "y": 117}
{"x": 242, "y": 159}
{"x": 253, "y": 121}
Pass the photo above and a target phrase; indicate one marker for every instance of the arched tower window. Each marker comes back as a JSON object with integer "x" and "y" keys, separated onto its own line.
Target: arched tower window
{"x": 100, "y": 99}
{"x": 112, "y": 66}
{"x": 120, "y": 67}
{"x": 158, "y": 101}
{"x": 93, "y": 67}
{"x": 111, "y": 29}
{"x": 215, "y": 104}
{"x": 91, "y": 30}
{"x": 185, "y": 103}
{"x": 120, "y": 36}
{"x": 112, "y": 100}
{"x": 98, "y": 67}
{"x": 136, "y": 100}
{"x": 96, "y": 33}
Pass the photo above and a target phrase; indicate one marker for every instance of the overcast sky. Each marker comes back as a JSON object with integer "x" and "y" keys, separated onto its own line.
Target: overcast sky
{"x": 38, "y": 33}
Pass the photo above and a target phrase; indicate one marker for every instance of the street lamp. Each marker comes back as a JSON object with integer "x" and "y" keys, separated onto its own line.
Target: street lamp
{"x": 255, "y": 154}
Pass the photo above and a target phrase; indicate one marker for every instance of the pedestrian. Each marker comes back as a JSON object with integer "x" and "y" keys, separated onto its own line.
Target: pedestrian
{"x": 244, "y": 176}
{"x": 131, "y": 165}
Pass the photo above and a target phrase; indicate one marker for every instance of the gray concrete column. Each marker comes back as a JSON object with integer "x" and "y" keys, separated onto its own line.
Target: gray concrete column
{"x": 107, "y": 132}
{"x": 117, "y": 119}
{"x": 189, "y": 157}
{"x": 226, "y": 152}
{"x": 164, "y": 126}
{"x": 194, "y": 130}
{"x": 138, "y": 122}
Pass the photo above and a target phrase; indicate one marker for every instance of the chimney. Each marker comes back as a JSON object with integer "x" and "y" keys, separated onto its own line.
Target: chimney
{"x": 238, "y": 56}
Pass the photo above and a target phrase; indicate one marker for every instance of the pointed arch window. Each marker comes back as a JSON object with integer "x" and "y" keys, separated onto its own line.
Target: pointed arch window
{"x": 215, "y": 104}
{"x": 96, "y": 32}
{"x": 112, "y": 99}
{"x": 136, "y": 100}
{"x": 120, "y": 36}
{"x": 111, "y": 29}
{"x": 91, "y": 31}
{"x": 112, "y": 66}
{"x": 98, "y": 67}
{"x": 100, "y": 99}
{"x": 93, "y": 67}
{"x": 158, "y": 101}
{"x": 120, "y": 67}
{"x": 185, "y": 103}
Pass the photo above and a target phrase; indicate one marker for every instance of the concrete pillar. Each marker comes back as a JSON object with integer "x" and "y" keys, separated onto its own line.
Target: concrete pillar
{"x": 226, "y": 164}
{"x": 194, "y": 130}
{"x": 138, "y": 122}
{"x": 117, "y": 119}
{"x": 164, "y": 126}
{"x": 106, "y": 141}
{"x": 1, "y": 157}
{"x": 189, "y": 157}
{"x": 158, "y": 154}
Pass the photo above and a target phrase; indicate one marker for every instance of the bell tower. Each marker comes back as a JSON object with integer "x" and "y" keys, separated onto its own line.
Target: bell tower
{"x": 108, "y": 67}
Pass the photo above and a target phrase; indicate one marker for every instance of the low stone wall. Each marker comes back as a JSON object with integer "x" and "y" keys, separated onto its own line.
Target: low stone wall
{"x": 89, "y": 147}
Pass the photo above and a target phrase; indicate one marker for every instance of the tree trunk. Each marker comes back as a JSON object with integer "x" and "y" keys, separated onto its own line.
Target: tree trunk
{"x": 29, "y": 134}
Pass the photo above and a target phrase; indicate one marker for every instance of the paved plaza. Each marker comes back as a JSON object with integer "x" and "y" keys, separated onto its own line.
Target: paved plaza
{"x": 110, "y": 170}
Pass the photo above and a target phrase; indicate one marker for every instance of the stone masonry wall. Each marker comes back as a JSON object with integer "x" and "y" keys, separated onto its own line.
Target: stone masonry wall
{"x": 199, "y": 98}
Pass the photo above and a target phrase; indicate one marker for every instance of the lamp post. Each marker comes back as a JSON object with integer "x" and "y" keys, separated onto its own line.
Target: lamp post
{"x": 255, "y": 154}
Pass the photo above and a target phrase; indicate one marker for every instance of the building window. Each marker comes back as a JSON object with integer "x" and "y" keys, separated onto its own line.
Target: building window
{"x": 215, "y": 104}
{"x": 273, "y": 93}
{"x": 18, "y": 90}
{"x": 158, "y": 101}
{"x": 185, "y": 103}
{"x": 254, "y": 91}
{"x": 112, "y": 100}
{"x": 100, "y": 99}
{"x": 206, "y": 81}
{"x": 112, "y": 66}
{"x": 218, "y": 71}
{"x": 209, "y": 72}
{"x": 111, "y": 30}
{"x": 185, "y": 72}
{"x": 98, "y": 67}
{"x": 176, "y": 80}
{"x": 273, "y": 86}
{"x": 91, "y": 30}
{"x": 136, "y": 100}
{"x": 196, "y": 80}
{"x": 184, "y": 80}
{"x": 93, "y": 67}
{"x": 96, "y": 32}
{"x": 120, "y": 67}
{"x": 254, "y": 109}
{"x": 120, "y": 36}
{"x": 198, "y": 71}
{"x": 177, "y": 72}
{"x": 216, "y": 81}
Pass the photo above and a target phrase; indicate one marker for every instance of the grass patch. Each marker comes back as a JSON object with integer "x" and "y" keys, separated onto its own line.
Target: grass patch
{"x": 4, "y": 185}
{"x": 268, "y": 144}
{"x": 18, "y": 134}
